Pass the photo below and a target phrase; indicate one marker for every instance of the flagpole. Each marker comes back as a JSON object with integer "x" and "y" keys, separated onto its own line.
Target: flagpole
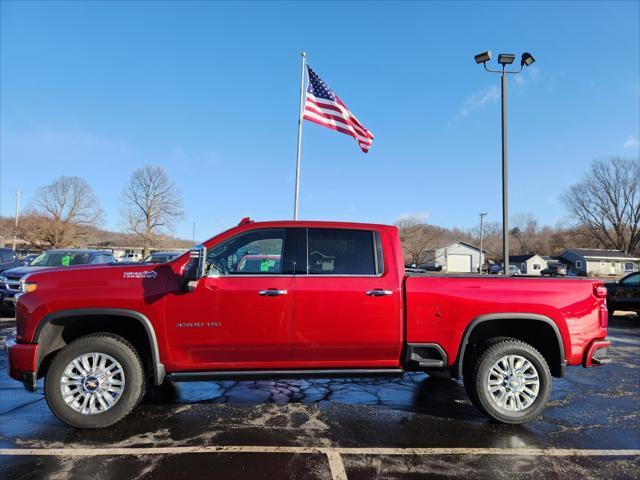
{"x": 302, "y": 93}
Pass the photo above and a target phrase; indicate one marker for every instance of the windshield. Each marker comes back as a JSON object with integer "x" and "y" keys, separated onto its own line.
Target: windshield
{"x": 60, "y": 259}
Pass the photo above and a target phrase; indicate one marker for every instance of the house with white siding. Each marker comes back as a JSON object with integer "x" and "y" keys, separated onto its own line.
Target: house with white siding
{"x": 528, "y": 264}
{"x": 459, "y": 257}
{"x": 600, "y": 262}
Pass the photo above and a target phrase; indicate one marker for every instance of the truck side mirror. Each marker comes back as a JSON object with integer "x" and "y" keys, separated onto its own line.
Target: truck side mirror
{"x": 195, "y": 269}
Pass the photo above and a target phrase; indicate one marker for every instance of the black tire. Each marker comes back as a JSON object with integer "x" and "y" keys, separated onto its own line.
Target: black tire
{"x": 468, "y": 368}
{"x": 468, "y": 378}
{"x": 134, "y": 386}
{"x": 480, "y": 395}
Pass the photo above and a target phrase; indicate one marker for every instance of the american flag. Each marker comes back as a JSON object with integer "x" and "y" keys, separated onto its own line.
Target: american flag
{"x": 322, "y": 106}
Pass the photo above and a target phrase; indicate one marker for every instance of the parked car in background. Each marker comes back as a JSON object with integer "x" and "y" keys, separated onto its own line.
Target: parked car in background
{"x": 10, "y": 279}
{"x": 555, "y": 270}
{"x": 497, "y": 269}
{"x": 129, "y": 257}
{"x": 432, "y": 268}
{"x": 624, "y": 294}
{"x": 413, "y": 268}
{"x": 27, "y": 259}
{"x": 8, "y": 259}
{"x": 161, "y": 257}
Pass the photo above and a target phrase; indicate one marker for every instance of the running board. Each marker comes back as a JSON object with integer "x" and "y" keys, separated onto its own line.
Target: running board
{"x": 424, "y": 356}
{"x": 282, "y": 374}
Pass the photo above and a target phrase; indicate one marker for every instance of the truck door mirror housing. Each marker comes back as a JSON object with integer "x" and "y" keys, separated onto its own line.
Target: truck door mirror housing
{"x": 195, "y": 269}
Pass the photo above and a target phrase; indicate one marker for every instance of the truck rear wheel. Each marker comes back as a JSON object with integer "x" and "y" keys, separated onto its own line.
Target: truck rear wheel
{"x": 95, "y": 381}
{"x": 510, "y": 382}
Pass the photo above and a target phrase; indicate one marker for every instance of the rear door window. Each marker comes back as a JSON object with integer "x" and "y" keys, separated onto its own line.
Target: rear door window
{"x": 342, "y": 252}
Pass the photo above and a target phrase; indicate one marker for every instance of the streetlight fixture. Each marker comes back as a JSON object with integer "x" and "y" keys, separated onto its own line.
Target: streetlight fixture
{"x": 527, "y": 59}
{"x": 504, "y": 59}
{"x": 483, "y": 57}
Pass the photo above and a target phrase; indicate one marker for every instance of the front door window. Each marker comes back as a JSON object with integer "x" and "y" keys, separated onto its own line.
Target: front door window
{"x": 253, "y": 253}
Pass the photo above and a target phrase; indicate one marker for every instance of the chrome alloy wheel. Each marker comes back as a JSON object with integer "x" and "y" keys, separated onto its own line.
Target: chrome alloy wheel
{"x": 513, "y": 383}
{"x": 92, "y": 383}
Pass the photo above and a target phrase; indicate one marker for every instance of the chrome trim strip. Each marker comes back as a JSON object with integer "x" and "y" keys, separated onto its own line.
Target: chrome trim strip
{"x": 270, "y": 292}
{"x": 377, "y": 292}
{"x": 278, "y": 374}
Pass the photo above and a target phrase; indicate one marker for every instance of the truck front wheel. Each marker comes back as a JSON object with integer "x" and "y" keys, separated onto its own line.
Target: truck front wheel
{"x": 510, "y": 382}
{"x": 95, "y": 381}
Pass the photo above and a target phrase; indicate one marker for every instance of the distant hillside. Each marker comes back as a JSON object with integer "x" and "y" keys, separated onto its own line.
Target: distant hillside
{"x": 95, "y": 237}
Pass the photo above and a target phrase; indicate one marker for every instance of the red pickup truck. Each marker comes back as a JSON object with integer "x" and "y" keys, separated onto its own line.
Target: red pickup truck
{"x": 296, "y": 300}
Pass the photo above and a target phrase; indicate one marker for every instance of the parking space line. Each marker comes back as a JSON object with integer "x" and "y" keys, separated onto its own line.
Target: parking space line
{"x": 335, "y": 464}
{"x": 532, "y": 452}
{"x": 116, "y": 451}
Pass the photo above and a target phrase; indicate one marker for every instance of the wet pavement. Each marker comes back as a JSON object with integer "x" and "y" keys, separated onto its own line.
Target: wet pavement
{"x": 414, "y": 427}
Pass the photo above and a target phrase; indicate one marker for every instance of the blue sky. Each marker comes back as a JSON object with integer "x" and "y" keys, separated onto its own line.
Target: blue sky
{"x": 209, "y": 91}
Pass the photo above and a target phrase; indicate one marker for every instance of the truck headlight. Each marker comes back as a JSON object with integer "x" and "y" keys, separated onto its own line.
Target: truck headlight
{"x": 3, "y": 279}
{"x": 26, "y": 287}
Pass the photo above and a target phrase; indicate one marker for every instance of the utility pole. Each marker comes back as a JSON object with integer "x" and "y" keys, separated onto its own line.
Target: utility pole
{"x": 482, "y": 215}
{"x": 194, "y": 233}
{"x": 15, "y": 227}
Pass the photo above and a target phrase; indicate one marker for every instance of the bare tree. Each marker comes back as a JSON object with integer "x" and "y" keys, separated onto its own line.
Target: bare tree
{"x": 64, "y": 208}
{"x": 417, "y": 241}
{"x": 606, "y": 203}
{"x": 152, "y": 204}
{"x": 32, "y": 228}
{"x": 526, "y": 233}
{"x": 492, "y": 239}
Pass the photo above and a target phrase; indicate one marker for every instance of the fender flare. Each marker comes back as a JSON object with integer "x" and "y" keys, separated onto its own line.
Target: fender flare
{"x": 509, "y": 316}
{"x": 158, "y": 366}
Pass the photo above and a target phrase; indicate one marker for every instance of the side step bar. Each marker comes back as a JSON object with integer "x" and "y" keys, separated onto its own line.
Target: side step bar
{"x": 424, "y": 356}
{"x": 282, "y": 374}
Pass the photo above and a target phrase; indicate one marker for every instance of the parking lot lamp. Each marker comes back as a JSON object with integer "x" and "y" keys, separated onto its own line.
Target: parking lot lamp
{"x": 504, "y": 59}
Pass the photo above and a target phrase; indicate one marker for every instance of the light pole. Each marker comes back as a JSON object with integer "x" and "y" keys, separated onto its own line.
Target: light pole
{"x": 15, "y": 226}
{"x": 482, "y": 215}
{"x": 504, "y": 59}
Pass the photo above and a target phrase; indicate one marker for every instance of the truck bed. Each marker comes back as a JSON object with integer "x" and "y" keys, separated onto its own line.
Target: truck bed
{"x": 440, "y": 308}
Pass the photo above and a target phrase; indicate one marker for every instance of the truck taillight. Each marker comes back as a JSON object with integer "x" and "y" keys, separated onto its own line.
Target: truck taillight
{"x": 603, "y": 314}
{"x": 600, "y": 291}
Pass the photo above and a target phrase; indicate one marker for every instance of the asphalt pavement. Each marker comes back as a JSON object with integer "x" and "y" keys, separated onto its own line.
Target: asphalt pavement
{"x": 414, "y": 427}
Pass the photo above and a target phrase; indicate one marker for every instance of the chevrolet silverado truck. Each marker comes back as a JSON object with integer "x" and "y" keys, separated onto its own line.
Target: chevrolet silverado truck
{"x": 295, "y": 299}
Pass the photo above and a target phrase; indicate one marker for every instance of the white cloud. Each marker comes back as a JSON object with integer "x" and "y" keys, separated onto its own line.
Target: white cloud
{"x": 632, "y": 142}
{"x": 533, "y": 72}
{"x": 478, "y": 99}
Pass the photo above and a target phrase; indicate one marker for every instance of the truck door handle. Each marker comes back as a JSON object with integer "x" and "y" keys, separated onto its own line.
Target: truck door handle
{"x": 272, "y": 292}
{"x": 378, "y": 292}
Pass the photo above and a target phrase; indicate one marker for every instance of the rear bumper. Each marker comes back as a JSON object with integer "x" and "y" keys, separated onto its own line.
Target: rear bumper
{"x": 23, "y": 362}
{"x": 596, "y": 354}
